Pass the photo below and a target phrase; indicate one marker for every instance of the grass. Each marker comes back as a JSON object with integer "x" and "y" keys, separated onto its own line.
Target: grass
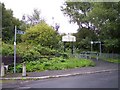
{"x": 55, "y": 64}
{"x": 112, "y": 60}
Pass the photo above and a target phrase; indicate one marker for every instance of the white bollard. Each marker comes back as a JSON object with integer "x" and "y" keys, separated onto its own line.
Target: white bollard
{"x": 24, "y": 70}
{"x": 2, "y": 70}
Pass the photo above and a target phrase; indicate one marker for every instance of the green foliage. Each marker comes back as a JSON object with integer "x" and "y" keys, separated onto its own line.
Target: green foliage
{"x": 77, "y": 11}
{"x": 107, "y": 23}
{"x": 83, "y": 37}
{"x": 7, "y": 49}
{"x": 30, "y": 55}
{"x": 42, "y": 34}
{"x": 102, "y": 18}
{"x": 30, "y": 52}
{"x": 8, "y": 23}
{"x": 55, "y": 64}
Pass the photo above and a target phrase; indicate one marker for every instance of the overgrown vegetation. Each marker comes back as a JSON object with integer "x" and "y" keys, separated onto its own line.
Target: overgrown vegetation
{"x": 30, "y": 52}
{"x": 57, "y": 63}
{"x": 7, "y": 49}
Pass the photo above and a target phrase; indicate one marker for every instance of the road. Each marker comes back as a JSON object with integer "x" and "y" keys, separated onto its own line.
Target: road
{"x": 97, "y": 80}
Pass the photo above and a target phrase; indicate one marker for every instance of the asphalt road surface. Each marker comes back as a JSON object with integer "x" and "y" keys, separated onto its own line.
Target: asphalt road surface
{"x": 97, "y": 80}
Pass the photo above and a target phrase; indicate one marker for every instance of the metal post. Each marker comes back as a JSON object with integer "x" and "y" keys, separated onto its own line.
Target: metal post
{"x": 15, "y": 51}
{"x": 72, "y": 48}
{"x": 100, "y": 49}
{"x": 91, "y": 46}
{"x": 64, "y": 47}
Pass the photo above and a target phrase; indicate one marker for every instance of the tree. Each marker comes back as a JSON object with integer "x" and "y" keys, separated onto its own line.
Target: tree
{"x": 33, "y": 19}
{"x": 106, "y": 17}
{"x": 8, "y": 23}
{"x": 77, "y": 11}
{"x": 103, "y": 18}
{"x": 83, "y": 38}
{"x": 42, "y": 34}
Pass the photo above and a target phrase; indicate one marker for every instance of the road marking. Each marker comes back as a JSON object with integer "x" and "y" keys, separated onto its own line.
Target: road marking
{"x": 23, "y": 88}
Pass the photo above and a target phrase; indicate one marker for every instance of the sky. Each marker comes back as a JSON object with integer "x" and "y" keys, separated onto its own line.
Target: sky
{"x": 48, "y": 8}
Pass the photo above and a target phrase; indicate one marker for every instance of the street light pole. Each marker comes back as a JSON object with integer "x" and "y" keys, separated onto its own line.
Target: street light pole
{"x": 15, "y": 51}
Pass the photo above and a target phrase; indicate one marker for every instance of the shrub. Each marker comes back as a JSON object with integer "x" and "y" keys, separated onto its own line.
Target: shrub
{"x": 7, "y": 49}
{"x": 31, "y": 55}
{"x": 42, "y": 34}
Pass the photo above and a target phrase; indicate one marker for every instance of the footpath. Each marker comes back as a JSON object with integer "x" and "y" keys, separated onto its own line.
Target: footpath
{"x": 14, "y": 81}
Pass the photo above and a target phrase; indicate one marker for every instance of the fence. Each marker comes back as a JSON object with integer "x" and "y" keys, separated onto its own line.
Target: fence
{"x": 90, "y": 55}
{"x": 109, "y": 55}
{"x": 8, "y": 60}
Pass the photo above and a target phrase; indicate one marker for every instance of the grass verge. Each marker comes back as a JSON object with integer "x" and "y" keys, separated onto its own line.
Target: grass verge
{"x": 112, "y": 60}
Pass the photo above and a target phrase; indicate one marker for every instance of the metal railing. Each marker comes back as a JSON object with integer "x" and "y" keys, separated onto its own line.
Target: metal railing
{"x": 90, "y": 55}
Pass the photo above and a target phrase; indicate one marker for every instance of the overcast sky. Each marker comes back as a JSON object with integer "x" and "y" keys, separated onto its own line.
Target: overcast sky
{"x": 49, "y": 9}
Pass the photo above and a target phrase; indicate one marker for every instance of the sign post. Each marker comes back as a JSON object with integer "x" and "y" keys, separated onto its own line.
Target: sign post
{"x": 100, "y": 47}
{"x": 69, "y": 38}
{"x": 16, "y": 32}
{"x": 15, "y": 51}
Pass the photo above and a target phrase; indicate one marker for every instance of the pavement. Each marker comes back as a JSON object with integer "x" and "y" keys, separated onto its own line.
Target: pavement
{"x": 101, "y": 66}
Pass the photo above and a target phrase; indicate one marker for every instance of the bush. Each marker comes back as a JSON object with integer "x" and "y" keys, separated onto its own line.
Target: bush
{"x": 31, "y": 55}
{"x": 37, "y": 52}
{"x": 7, "y": 49}
{"x": 30, "y": 52}
{"x": 42, "y": 34}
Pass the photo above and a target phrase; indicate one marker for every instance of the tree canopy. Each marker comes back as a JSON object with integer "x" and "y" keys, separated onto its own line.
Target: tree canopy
{"x": 103, "y": 18}
{"x": 8, "y": 23}
{"x": 42, "y": 34}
